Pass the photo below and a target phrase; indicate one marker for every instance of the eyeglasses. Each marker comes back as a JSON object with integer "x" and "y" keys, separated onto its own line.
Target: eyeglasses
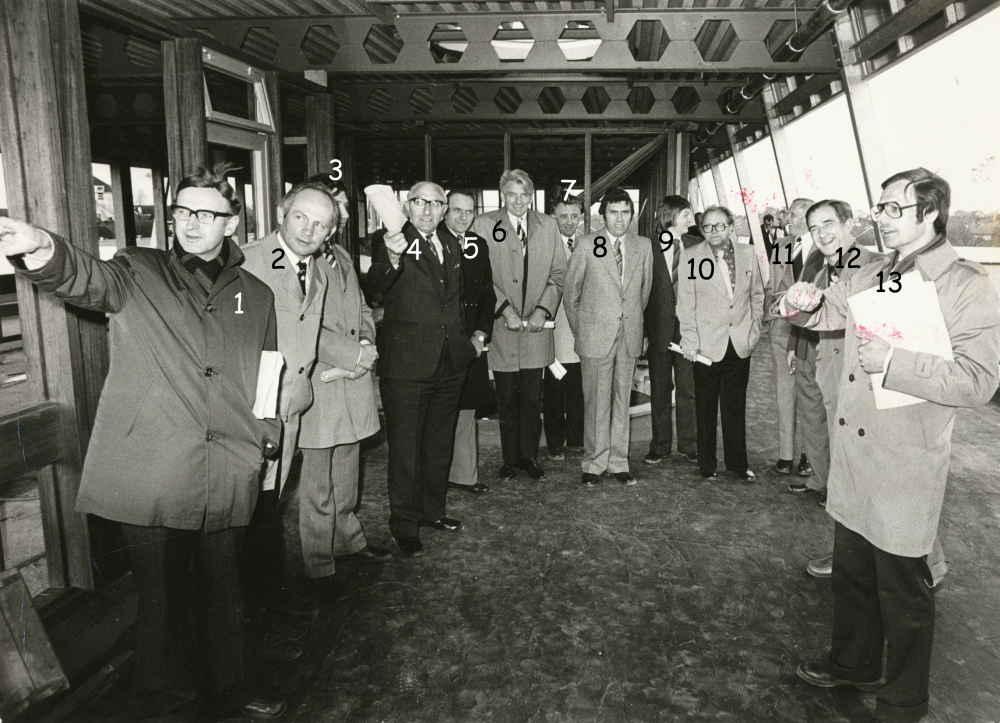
{"x": 891, "y": 209}
{"x": 336, "y": 187}
{"x": 710, "y": 227}
{"x": 420, "y": 203}
{"x": 183, "y": 213}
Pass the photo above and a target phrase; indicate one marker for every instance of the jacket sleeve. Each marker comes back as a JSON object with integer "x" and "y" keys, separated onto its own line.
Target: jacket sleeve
{"x": 83, "y": 280}
{"x": 553, "y": 291}
{"x": 647, "y": 280}
{"x": 339, "y": 350}
{"x": 573, "y": 286}
{"x": 488, "y": 303}
{"x": 971, "y": 379}
{"x": 381, "y": 274}
{"x": 831, "y": 315}
{"x": 687, "y": 298}
{"x": 481, "y": 226}
{"x": 367, "y": 322}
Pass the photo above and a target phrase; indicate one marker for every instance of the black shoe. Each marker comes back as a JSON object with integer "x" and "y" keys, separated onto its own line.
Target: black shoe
{"x": 368, "y": 553}
{"x": 784, "y": 466}
{"x": 589, "y": 480}
{"x": 747, "y": 476}
{"x": 805, "y": 469}
{"x": 798, "y": 489}
{"x": 556, "y": 453}
{"x": 575, "y": 449}
{"x": 691, "y": 457}
{"x": 276, "y": 648}
{"x": 625, "y": 478}
{"x": 258, "y": 706}
{"x": 476, "y": 489}
{"x": 709, "y": 474}
{"x": 445, "y": 523}
{"x": 813, "y": 673}
{"x": 508, "y": 471}
{"x": 533, "y": 469}
{"x": 653, "y": 458}
{"x": 409, "y": 546}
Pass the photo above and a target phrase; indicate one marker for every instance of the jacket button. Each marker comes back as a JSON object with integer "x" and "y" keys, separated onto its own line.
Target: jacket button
{"x": 209, "y": 371}
{"x": 209, "y": 308}
{"x": 850, "y": 377}
{"x": 352, "y": 332}
{"x": 301, "y": 369}
{"x": 842, "y": 422}
{"x": 861, "y": 433}
{"x": 209, "y": 437}
{"x": 302, "y": 318}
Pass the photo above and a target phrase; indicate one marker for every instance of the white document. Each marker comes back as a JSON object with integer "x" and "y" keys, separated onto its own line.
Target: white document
{"x": 557, "y": 369}
{"x": 386, "y": 205}
{"x": 910, "y": 319}
{"x": 703, "y": 359}
{"x": 268, "y": 380}
{"x": 546, "y": 325}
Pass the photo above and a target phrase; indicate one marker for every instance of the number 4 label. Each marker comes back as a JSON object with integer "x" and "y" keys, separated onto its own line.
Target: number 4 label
{"x": 414, "y": 249}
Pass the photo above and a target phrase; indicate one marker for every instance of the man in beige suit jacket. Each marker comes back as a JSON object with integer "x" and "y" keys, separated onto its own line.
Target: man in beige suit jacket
{"x": 720, "y": 305}
{"x": 529, "y": 263}
{"x": 607, "y": 286}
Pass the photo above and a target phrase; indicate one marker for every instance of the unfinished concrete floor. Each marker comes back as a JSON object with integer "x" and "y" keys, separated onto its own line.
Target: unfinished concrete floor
{"x": 677, "y": 599}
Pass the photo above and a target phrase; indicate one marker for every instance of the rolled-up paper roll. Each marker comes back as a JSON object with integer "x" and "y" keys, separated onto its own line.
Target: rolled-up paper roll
{"x": 546, "y": 325}
{"x": 383, "y": 198}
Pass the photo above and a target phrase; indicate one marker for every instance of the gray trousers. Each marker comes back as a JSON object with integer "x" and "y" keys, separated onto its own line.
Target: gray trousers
{"x": 465, "y": 457}
{"x": 813, "y": 426}
{"x": 784, "y": 387}
{"x": 607, "y": 384}
{"x": 328, "y": 494}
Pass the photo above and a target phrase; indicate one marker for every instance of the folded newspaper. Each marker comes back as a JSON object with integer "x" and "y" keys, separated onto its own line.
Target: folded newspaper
{"x": 268, "y": 379}
{"x": 383, "y": 199}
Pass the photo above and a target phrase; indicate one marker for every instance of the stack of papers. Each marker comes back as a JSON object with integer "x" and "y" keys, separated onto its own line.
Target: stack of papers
{"x": 383, "y": 198}
{"x": 268, "y": 380}
{"x": 910, "y": 319}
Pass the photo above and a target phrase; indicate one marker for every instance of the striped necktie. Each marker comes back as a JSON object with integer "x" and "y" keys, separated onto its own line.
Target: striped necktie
{"x": 521, "y": 234}
{"x": 618, "y": 257}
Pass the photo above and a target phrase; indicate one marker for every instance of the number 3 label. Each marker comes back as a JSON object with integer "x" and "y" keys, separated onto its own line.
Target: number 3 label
{"x": 337, "y": 168}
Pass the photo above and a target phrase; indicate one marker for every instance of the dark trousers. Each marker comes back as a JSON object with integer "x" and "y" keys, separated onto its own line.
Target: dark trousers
{"x": 664, "y": 367}
{"x": 263, "y": 564}
{"x": 722, "y": 388}
{"x": 881, "y": 597}
{"x": 519, "y": 398}
{"x": 160, "y": 557}
{"x": 563, "y": 407}
{"x": 420, "y": 431}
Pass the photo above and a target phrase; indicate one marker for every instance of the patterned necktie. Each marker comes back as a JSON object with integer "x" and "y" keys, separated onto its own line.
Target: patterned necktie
{"x": 618, "y": 256}
{"x": 328, "y": 253}
{"x": 302, "y": 276}
{"x": 521, "y": 234}
{"x": 569, "y": 244}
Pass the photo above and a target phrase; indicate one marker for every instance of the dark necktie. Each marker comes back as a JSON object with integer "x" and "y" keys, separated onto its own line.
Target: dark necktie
{"x": 569, "y": 244}
{"x": 521, "y": 234}
{"x": 797, "y": 260}
{"x": 328, "y": 253}
{"x": 302, "y": 276}
{"x": 618, "y": 257}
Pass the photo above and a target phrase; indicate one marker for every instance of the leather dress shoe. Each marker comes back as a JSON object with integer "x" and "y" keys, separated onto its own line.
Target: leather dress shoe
{"x": 653, "y": 458}
{"x": 820, "y": 568}
{"x": 589, "y": 480}
{"x": 409, "y": 546}
{"x": 813, "y": 673}
{"x": 476, "y": 489}
{"x": 447, "y": 524}
{"x": 709, "y": 474}
{"x": 805, "y": 469}
{"x": 691, "y": 457}
{"x": 625, "y": 478}
{"x": 574, "y": 449}
{"x": 508, "y": 471}
{"x": 533, "y": 469}
{"x": 747, "y": 476}
{"x": 369, "y": 553}
{"x": 259, "y": 705}
{"x": 556, "y": 454}
{"x": 783, "y": 466}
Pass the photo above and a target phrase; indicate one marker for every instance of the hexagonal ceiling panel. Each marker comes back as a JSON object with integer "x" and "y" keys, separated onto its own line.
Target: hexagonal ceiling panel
{"x": 579, "y": 40}
{"x": 383, "y": 44}
{"x": 447, "y": 43}
{"x": 320, "y": 44}
{"x": 640, "y": 100}
{"x": 648, "y": 40}
{"x": 507, "y": 100}
{"x": 421, "y": 101}
{"x": 551, "y": 100}
{"x": 716, "y": 40}
{"x": 380, "y": 100}
{"x": 685, "y": 99}
{"x": 595, "y": 99}
{"x": 142, "y": 52}
{"x": 512, "y": 42}
{"x": 464, "y": 100}
{"x": 260, "y": 42}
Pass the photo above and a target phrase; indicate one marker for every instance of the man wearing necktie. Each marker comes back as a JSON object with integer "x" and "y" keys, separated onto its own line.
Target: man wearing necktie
{"x": 424, "y": 352}
{"x": 666, "y": 367}
{"x": 784, "y": 274}
{"x": 563, "y": 398}
{"x": 529, "y": 262}
{"x": 608, "y": 284}
{"x": 720, "y": 305}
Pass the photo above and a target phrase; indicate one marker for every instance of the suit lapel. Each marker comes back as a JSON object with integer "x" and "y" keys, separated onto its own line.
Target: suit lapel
{"x": 317, "y": 283}
{"x": 717, "y": 278}
{"x": 630, "y": 250}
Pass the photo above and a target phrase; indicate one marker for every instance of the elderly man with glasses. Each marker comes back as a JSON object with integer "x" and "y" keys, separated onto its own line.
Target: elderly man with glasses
{"x": 424, "y": 352}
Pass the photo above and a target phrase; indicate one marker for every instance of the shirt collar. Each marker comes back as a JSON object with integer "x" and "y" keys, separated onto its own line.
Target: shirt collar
{"x": 514, "y": 219}
{"x": 291, "y": 254}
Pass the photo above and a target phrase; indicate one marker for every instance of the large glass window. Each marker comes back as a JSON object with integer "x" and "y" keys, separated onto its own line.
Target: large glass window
{"x": 763, "y": 193}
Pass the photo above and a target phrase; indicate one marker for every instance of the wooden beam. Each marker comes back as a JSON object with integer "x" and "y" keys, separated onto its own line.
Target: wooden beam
{"x": 320, "y": 135}
{"x": 160, "y": 209}
{"x": 683, "y": 163}
{"x": 908, "y": 19}
{"x": 184, "y": 105}
{"x": 121, "y": 192}
{"x": 30, "y": 438}
{"x": 428, "y": 157}
{"x": 275, "y": 169}
{"x": 506, "y": 152}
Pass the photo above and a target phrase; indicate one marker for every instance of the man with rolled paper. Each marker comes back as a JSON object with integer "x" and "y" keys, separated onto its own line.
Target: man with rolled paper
{"x": 889, "y": 464}
{"x": 424, "y": 352}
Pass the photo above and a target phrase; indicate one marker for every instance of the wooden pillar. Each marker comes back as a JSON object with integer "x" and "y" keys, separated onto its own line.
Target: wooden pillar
{"x": 683, "y": 164}
{"x": 121, "y": 193}
{"x": 506, "y": 152}
{"x": 587, "y": 159}
{"x": 355, "y": 224}
{"x": 321, "y": 148}
{"x": 160, "y": 209}
{"x": 275, "y": 176}
{"x": 428, "y": 157}
{"x": 779, "y": 143}
{"x": 184, "y": 106}
{"x": 47, "y": 167}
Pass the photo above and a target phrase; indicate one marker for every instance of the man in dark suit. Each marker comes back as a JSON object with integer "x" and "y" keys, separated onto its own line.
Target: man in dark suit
{"x": 478, "y": 303}
{"x": 666, "y": 367}
{"x": 423, "y": 354}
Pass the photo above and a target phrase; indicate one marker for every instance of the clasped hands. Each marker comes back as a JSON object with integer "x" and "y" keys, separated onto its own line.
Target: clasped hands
{"x": 369, "y": 355}
{"x": 535, "y": 322}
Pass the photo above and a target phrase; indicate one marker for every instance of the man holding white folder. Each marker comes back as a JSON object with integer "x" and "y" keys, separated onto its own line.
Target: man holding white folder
{"x": 889, "y": 466}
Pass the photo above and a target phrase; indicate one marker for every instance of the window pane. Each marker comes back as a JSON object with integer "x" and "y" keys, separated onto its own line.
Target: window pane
{"x": 706, "y": 185}
{"x": 764, "y": 193}
{"x": 230, "y": 95}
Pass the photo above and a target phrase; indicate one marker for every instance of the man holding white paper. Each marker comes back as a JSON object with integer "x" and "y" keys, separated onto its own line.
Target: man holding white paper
{"x": 889, "y": 467}
{"x": 607, "y": 287}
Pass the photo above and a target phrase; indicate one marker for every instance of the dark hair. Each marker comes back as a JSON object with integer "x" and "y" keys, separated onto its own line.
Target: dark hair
{"x": 467, "y": 192}
{"x": 673, "y": 205}
{"x": 616, "y": 194}
{"x": 932, "y": 194}
{"x": 333, "y": 186}
{"x": 216, "y": 178}
{"x": 719, "y": 209}
{"x": 841, "y": 208}
{"x": 289, "y": 198}
{"x": 571, "y": 201}
{"x": 769, "y": 217}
